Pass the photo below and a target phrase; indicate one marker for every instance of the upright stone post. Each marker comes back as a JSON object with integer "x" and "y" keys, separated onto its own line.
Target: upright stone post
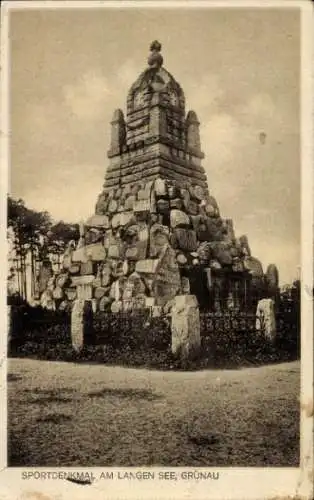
{"x": 266, "y": 319}
{"x": 80, "y": 322}
{"x": 185, "y": 327}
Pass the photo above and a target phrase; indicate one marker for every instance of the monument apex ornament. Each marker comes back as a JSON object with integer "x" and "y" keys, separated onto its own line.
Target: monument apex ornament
{"x": 155, "y": 59}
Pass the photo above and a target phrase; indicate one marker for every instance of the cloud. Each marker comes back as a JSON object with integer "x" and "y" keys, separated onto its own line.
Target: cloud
{"x": 88, "y": 95}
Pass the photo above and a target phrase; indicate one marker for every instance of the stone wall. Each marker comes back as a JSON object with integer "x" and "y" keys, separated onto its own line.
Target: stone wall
{"x": 138, "y": 244}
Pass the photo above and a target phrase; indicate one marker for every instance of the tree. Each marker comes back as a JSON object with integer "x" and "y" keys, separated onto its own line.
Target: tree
{"x": 58, "y": 237}
{"x": 27, "y": 227}
{"x": 33, "y": 233}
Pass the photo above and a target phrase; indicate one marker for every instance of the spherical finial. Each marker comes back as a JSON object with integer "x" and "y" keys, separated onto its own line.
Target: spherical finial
{"x": 155, "y": 46}
{"x": 155, "y": 59}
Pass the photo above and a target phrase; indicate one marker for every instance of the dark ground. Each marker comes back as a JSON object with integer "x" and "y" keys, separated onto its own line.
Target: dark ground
{"x": 67, "y": 414}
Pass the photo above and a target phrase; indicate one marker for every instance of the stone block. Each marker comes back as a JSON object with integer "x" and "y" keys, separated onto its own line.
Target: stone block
{"x": 46, "y": 300}
{"x": 71, "y": 293}
{"x": 138, "y": 286}
{"x": 142, "y": 206}
{"x": 65, "y": 305}
{"x": 167, "y": 279}
{"x": 196, "y": 220}
{"x": 93, "y": 235}
{"x": 221, "y": 252}
{"x": 157, "y": 311}
{"x": 210, "y": 210}
{"x": 116, "y": 250}
{"x": 115, "y": 221}
{"x": 57, "y": 293}
{"x": 177, "y": 203}
{"x": 160, "y": 188}
{"x": 149, "y": 302}
{"x": 82, "y": 280}
{"x": 104, "y": 304}
{"x": 162, "y": 206}
{"x": 185, "y": 239}
{"x": 202, "y": 233}
{"x": 139, "y": 301}
{"x": 106, "y": 275}
{"x": 214, "y": 228}
{"x": 237, "y": 265}
{"x": 181, "y": 259}
{"x": 84, "y": 292}
{"x": 79, "y": 255}
{"x": 147, "y": 266}
{"x": 145, "y": 192}
{"x": 117, "y": 268}
{"x": 243, "y": 241}
{"x": 192, "y": 208}
{"x": 99, "y": 292}
{"x": 67, "y": 261}
{"x": 117, "y": 288}
{"x": 102, "y": 204}
{"x": 74, "y": 269}
{"x": 198, "y": 193}
{"x": 116, "y": 306}
{"x": 159, "y": 238}
{"x": 254, "y": 266}
{"x": 212, "y": 201}
{"x": 204, "y": 252}
{"x": 101, "y": 221}
{"x": 185, "y": 327}
{"x": 62, "y": 280}
{"x": 179, "y": 219}
{"x": 117, "y": 194}
{"x": 122, "y": 219}
{"x": 51, "y": 284}
{"x": 185, "y": 195}
{"x": 214, "y": 264}
{"x": 173, "y": 191}
{"x": 87, "y": 268}
{"x": 129, "y": 202}
{"x": 95, "y": 252}
{"x": 113, "y": 206}
{"x": 132, "y": 252}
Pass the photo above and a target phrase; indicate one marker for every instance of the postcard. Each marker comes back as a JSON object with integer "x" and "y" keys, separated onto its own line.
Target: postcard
{"x": 157, "y": 209}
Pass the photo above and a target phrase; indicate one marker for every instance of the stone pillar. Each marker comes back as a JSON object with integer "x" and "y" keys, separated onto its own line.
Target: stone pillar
{"x": 185, "y": 327}
{"x": 265, "y": 318}
{"x": 80, "y": 322}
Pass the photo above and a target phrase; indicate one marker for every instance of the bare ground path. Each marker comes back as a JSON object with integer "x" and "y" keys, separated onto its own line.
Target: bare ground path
{"x": 66, "y": 414}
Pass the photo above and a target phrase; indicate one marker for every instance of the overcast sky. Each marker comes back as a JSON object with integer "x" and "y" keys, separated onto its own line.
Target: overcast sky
{"x": 239, "y": 69}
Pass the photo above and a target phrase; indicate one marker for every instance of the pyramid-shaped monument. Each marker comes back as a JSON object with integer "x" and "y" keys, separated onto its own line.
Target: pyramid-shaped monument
{"x": 157, "y": 231}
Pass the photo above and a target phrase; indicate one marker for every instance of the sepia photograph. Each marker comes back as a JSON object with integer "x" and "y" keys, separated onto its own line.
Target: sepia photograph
{"x": 154, "y": 264}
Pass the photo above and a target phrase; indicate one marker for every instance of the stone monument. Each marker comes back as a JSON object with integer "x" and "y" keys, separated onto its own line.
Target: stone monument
{"x": 157, "y": 231}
